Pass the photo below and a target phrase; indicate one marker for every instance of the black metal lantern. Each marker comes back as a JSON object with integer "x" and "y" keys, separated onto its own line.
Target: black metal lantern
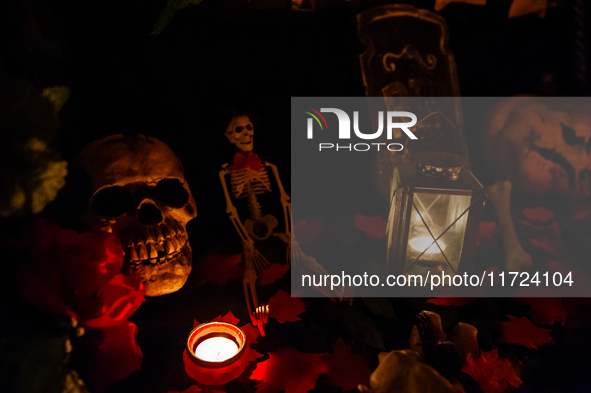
{"x": 434, "y": 219}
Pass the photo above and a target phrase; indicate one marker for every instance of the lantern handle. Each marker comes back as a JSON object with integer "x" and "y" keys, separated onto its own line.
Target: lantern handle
{"x": 465, "y": 148}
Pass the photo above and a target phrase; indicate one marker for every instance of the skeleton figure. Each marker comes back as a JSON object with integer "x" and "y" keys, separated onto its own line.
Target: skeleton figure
{"x": 139, "y": 193}
{"x": 248, "y": 177}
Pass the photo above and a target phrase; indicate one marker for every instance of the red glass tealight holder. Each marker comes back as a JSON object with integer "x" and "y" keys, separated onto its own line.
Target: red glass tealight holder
{"x": 215, "y": 353}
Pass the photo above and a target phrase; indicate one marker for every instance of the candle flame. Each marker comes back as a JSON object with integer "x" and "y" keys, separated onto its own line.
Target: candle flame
{"x": 420, "y": 244}
{"x": 216, "y": 349}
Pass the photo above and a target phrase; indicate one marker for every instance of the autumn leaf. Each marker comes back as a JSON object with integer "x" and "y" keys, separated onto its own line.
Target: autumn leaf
{"x": 372, "y": 226}
{"x": 229, "y": 318}
{"x": 289, "y": 370}
{"x": 346, "y": 369}
{"x": 115, "y": 358}
{"x": 308, "y": 230}
{"x": 219, "y": 268}
{"x": 200, "y": 389}
{"x": 582, "y": 212}
{"x": 524, "y": 7}
{"x": 486, "y": 231}
{"x": 494, "y": 373}
{"x": 542, "y": 214}
{"x": 550, "y": 245}
{"x": 285, "y": 308}
{"x": 272, "y": 274}
{"x": 190, "y": 389}
{"x": 172, "y": 6}
{"x": 546, "y": 311}
{"x": 451, "y": 301}
{"x": 441, "y": 4}
{"x": 521, "y": 331}
{"x": 58, "y": 95}
{"x": 121, "y": 298}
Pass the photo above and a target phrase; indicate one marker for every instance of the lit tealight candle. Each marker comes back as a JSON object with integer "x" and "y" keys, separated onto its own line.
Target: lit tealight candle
{"x": 216, "y": 349}
{"x": 215, "y": 353}
{"x": 420, "y": 244}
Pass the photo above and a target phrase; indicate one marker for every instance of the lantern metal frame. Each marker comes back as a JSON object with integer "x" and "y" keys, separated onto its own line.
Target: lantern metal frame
{"x": 406, "y": 183}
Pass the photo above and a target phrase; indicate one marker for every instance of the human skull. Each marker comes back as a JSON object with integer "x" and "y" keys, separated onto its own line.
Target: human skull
{"x": 240, "y": 133}
{"x": 139, "y": 193}
{"x": 541, "y": 145}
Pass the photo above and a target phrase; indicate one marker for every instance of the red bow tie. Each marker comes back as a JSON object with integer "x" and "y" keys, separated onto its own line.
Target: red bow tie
{"x": 247, "y": 159}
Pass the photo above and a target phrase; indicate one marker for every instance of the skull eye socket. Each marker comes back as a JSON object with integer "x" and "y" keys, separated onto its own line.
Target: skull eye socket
{"x": 170, "y": 192}
{"x": 238, "y": 129}
{"x": 249, "y": 127}
{"x": 111, "y": 201}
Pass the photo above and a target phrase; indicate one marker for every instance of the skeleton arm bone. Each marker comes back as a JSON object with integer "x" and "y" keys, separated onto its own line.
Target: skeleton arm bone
{"x": 285, "y": 199}
{"x": 286, "y": 204}
{"x": 252, "y": 258}
{"x": 233, "y": 213}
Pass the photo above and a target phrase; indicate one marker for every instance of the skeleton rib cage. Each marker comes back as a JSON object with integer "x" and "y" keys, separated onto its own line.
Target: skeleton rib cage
{"x": 258, "y": 180}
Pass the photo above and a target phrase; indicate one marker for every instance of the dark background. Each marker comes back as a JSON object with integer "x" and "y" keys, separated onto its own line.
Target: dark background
{"x": 226, "y": 55}
{"x": 230, "y": 55}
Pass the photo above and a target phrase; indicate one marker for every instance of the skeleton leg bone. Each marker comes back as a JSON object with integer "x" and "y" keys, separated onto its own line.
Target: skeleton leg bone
{"x": 250, "y": 291}
{"x": 516, "y": 259}
{"x": 258, "y": 314}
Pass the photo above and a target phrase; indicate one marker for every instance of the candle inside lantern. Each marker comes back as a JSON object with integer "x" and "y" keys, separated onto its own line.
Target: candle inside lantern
{"x": 420, "y": 244}
{"x": 216, "y": 349}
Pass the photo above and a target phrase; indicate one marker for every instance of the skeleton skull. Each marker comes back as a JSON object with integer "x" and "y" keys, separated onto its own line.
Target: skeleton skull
{"x": 139, "y": 193}
{"x": 240, "y": 132}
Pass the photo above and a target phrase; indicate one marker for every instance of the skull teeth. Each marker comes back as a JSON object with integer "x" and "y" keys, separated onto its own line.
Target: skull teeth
{"x": 142, "y": 252}
{"x": 168, "y": 246}
{"x": 150, "y": 251}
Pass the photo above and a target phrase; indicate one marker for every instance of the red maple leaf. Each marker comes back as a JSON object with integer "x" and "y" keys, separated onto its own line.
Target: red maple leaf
{"x": 289, "y": 370}
{"x": 550, "y": 245}
{"x": 115, "y": 358}
{"x": 521, "y": 331}
{"x": 373, "y": 226}
{"x": 486, "y": 231}
{"x": 494, "y": 373}
{"x": 272, "y": 274}
{"x": 77, "y": 275}
{"x": 582, "y": 212}
{"x": 451, "y": 301}
{"x": 346, "y": 369}
{"x": 219, "y": 268}
{"x": 121, "y": 298}
{"x": 542, "y": 214}
{"x": 252, "y": 334}
{"x": 65, "y": 272}
{"x": 308, "y": 230}
{"x": 199, "y": 389}
{"x": 546, "y": 311}
{"x": 285, "y": 308}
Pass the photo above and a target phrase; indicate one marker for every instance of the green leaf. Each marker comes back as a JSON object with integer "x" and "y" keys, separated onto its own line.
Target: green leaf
{"x": 172, "y": 6}
{"x": 35, "y": 361}
{"x": 348, "y": 321}
{"x": 58, "y": 95}
{"x": 380, "y": 306}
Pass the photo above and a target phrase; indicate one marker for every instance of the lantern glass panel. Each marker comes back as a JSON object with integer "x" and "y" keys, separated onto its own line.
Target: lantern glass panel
{"x": 439, "y": 217}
